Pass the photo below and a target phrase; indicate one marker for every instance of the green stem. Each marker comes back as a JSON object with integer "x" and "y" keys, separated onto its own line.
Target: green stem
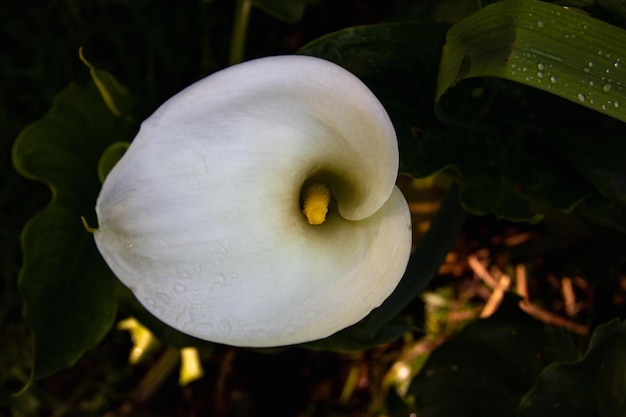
{"x": 240, "y": 29}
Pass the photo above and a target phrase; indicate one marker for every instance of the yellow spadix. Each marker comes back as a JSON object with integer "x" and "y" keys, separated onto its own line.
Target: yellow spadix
{"x": 315, "y": 205}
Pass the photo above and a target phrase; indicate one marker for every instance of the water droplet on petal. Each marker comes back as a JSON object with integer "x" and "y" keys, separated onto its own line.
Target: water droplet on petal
{"x": 164, "y": 297}
{"x": 541, "y": 66}
{"x": 553, "y": 79}
{"x": 220, "y": 278}
{"x": 607, "y": 87}
{"x": 581, "y": 97}
{"x": 540, "y": 23}
{"x": 225, "y": 327}
{"x": 179, "y": 288}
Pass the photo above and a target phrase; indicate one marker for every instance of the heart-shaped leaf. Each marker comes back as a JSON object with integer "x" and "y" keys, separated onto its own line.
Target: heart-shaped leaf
{"x": 592, "y": 386}
{"x": 68, "y": 291}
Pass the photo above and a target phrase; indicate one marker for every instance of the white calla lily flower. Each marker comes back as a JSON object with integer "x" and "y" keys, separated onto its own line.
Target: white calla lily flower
{"x": 202, "y": 218}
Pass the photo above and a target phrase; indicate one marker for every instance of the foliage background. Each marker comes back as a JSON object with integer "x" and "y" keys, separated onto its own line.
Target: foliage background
{"x": 156, "y": 49}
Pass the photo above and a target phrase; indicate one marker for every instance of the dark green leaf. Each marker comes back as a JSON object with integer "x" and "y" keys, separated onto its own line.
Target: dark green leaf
{"x": 290, "y": 11}
{"x": 487, "y": 367}
{"x": 616, "y": 9}
{"x": 109, "y": 158}
{"x": 592, "y": 386}
{"x": 599, "y": 158}
{"x": 604, "y": 214}
{"x": 68, "y": 292}
{"x": 358, "y": 337}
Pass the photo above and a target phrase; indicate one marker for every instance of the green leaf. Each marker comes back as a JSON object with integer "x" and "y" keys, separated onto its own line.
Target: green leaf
{"x": 604, "y": 215}
{"x": 289, "y": 11}
{"x": 592, "y": 386}
{"x": 109, "y": 158}
{"x": 599, "y": 158}
{"x": 115, "y": 95}
{"x": 68, "y": 291}
{"x": 358, "y": 337}
{"x": 616, "y": 9}
{"x": 487, "y": 367}
{"x": 549, "y": 47}
{"x": 69, "y": 301}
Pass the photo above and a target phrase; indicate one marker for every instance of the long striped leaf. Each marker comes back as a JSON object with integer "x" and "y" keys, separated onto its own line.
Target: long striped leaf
{"x": 556, "y": 49}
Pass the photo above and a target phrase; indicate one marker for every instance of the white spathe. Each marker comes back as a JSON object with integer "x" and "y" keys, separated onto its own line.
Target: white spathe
{"x": 202, "y": 219}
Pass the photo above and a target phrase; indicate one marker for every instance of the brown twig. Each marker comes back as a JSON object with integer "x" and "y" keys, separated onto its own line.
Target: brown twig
{"x": 552, "y": 319}
{"x": 496, "y": 296}
{"x": 567, "y": 290}
{"x": 481, "y": 272}
{"x": 521, "y": 281}
{"x": 538, "y": 312}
